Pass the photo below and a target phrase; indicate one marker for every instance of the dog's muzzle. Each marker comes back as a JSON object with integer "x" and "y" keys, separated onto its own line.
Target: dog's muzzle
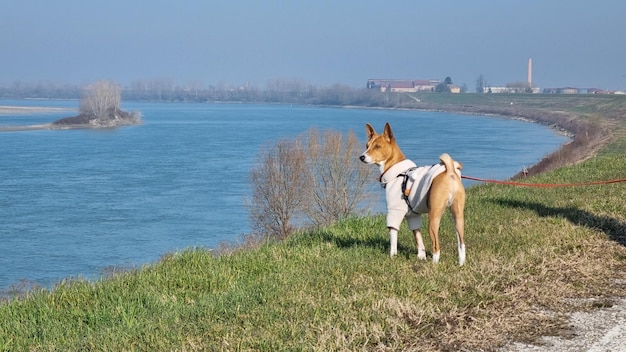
{"x": 365, "y": 158}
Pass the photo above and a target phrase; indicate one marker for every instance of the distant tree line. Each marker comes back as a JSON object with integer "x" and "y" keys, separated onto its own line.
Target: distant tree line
{"x": 39, "y": 90}
{"x": 283, "y": 91}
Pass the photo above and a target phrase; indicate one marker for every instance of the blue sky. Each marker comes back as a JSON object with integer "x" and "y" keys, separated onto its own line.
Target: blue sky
{"x": 572, "y": 43}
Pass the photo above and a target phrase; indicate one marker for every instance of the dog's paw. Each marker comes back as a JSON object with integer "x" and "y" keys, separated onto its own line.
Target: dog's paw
{"x": 461, "y": 255}
{"x": 421, "y": 255}
{"x": 436, "y": 257}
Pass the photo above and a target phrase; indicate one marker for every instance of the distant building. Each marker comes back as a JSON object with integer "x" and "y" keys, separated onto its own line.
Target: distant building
{"x": 533, "y": 90}
{"x": 572, "y": 90}
{"x": 568, "y": 90}
{"x": 403, "y": 85}
{"x": 604, "y": 91}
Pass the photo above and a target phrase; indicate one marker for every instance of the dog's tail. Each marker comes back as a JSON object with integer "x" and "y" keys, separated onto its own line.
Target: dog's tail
{"x": 451, "y": 165}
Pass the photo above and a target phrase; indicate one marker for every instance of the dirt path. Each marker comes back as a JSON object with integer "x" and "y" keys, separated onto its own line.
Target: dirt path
{"x": 599, "y": 330}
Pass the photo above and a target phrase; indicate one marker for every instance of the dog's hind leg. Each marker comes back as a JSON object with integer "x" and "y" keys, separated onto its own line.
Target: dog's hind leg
{"x": 459, "y": 225}
{"x": 434, "y": 219}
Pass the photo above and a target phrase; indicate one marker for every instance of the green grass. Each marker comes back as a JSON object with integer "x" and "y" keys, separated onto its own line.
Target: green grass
{"x": 337, "y": 289}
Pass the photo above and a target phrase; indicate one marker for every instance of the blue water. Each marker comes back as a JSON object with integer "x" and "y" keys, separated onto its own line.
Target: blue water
{"x": 75, "y": 202}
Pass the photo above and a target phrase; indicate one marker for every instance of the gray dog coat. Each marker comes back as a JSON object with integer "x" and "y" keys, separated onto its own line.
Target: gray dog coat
{"x": 418, "y": 181}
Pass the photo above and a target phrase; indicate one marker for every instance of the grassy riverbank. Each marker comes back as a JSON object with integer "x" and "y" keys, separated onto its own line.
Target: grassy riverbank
{"x": 530, "y": 252}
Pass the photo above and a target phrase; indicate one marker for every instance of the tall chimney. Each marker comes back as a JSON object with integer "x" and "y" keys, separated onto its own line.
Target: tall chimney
{"x": 530, "y": 72}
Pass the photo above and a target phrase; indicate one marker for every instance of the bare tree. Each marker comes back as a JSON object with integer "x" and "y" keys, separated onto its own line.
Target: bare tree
{"x": 101, "y": 99}
{"x": 279, "y": 188}
{"x": 340, "y": 179}
{"x": 314, "y": 176}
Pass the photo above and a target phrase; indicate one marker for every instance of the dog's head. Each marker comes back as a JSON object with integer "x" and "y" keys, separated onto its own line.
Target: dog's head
{"x": 379, "y": 147}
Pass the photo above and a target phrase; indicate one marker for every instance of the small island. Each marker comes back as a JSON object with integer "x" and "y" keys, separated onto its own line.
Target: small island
{"x": 111, "y": 119}
{"x": 99, "y": 108}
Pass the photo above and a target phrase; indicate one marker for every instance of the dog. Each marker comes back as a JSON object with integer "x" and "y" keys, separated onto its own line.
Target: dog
{"x": 411, "y": 191}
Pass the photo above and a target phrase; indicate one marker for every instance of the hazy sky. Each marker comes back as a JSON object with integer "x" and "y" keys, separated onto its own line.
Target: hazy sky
{"x": 577, "y": 43}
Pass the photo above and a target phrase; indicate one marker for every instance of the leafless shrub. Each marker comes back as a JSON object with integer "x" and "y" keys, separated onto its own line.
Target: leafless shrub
{"x": 340, "y": 179}
{"x": 313, "y": 176}
{"x": 279, "y": 188}
{"x": 101, "y": 99}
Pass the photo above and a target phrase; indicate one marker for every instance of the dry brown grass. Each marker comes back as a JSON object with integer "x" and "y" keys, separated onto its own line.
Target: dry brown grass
{"x": 536, "y": 304}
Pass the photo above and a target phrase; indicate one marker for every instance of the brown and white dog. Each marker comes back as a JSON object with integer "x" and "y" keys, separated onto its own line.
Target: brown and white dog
{"x": 438, "y": 185}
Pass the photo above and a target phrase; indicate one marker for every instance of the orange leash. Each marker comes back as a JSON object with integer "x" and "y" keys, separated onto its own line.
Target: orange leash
{"x": 512, "y": 183}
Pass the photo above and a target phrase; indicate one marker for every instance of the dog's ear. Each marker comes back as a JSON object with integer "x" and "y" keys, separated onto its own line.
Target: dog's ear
{"x": 388, "y": 133}
{"x": 370, "y": 131}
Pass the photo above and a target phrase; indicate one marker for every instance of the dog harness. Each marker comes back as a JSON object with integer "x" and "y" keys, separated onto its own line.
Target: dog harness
{"x": 406, "y": 191}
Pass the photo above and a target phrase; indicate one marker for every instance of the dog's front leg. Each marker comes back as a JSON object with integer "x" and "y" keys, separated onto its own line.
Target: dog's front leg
{"x": 419, "y": 242}
{"x": 393, "y": 240}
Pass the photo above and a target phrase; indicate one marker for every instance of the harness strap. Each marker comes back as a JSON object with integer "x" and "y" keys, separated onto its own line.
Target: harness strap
{"x": 406, "y": 192}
